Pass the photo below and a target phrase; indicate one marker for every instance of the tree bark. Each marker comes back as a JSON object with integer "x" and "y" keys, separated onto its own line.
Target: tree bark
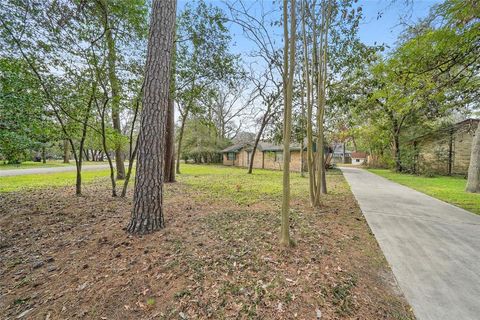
{"x": 66, "y": 152}
{"x": 323, "y": 182}
{"x": 44, "y": 157}
{"x": 147, "y": 213}
{"x": 473, "y": 182}
{"x": 257, "y": 139}
{"x": 169, "y": 166}
{"x": 396, "y": 152}
{"x": 288, "y": 72}
{"x": 86, "y": 154}
{"x": 306, "y": 75}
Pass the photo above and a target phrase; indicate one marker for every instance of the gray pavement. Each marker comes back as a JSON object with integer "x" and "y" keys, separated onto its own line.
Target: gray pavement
{"x": 21, "y": 172}
{"x": 432, "y": 247}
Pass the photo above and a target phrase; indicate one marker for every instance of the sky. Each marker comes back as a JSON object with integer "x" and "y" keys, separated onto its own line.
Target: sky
{"x": 382, "y": 21}
{"x": 388, "y": 26}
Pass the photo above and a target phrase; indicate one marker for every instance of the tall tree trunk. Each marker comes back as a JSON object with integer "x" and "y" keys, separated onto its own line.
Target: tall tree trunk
{"x": 147, "y": 213}
{"x": 44, "y": 156}
{"x": 288, "y": 73}
{"x": 101, "y": 111}
{"x": 115, "y": 90}
{"x": 66, "y": 151}
{"x": 170, "y": 125}
{"x": 317, "y": 60}
{"x": 170, "y": 142}
{"x": 396, "y": 152}
{"x": 473, "y": 182}
{"x": 132, "y": 148}
{"x": 323, "y": 182}
{"x": 79, "y": 158}
{"x": 129, "y": 170}
{"x": 180, "y": 138}
{"x": 306, "y": 76}
{"x": 257, "y": 139}
{"x": 86, "y": 154}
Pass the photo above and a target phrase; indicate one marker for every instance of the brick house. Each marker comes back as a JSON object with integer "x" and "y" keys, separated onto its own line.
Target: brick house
{"x": 358, "y": 158}
{"x": 445, "y": 151}
{"x": 267, "y": 156}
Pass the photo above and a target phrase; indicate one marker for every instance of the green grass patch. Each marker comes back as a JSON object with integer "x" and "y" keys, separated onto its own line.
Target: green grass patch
{"x": 239, "y": 186}
{"x": 220, "y": 181}
{"x": 61, "y": 179}
{"x": 49, "y": 164}
{"x": 448, "y": 189}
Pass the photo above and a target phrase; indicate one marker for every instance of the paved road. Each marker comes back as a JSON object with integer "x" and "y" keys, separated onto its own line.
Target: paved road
{"x": 432, "y": 246}
{"x": 21, "y": 172}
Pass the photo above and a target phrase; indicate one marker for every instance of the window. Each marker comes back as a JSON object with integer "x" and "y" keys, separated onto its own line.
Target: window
{"x": 357, "y": 160}
{"x": 278, "y": 156}
{"x": 231, "y": 156}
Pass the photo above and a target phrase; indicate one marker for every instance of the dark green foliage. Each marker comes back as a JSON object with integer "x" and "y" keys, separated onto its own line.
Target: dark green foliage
{"x": 24, "y": 126}
{"x": 202, "y": 143}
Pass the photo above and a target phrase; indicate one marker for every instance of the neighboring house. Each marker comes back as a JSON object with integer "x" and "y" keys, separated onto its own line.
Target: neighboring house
{"x": 358, "y": 158}
{"x": 267, "y": 156}
{"x": 341, "y": 154}
{"x": 445, "y": 151}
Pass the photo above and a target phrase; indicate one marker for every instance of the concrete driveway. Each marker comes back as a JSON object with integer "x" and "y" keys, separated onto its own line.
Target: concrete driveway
{"x": 432, "y": 246}
{"x": 21, "y": 172}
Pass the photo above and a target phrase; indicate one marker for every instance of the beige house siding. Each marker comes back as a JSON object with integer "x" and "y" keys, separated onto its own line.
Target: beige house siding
{"x": 227, "y": 162}
{"x": 265, "y": 160}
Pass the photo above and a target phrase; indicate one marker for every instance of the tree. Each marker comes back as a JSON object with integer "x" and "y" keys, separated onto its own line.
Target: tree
{"x": 147, "y": 213}
{"x": 473, "y": 182}
{"x": 169, "y": 167}
{"x": 267, "y": 84}
{"x": 270, "y": 99}
{"x": 315, "y": 77}
{"x": 202, "y": 59}
{"x": 288, "y": 75}
{"x": 62, "y": 34}
{"x": 23, "y": 123}
{"x": 201, "y": 141}
{"x": 122, "y": 21}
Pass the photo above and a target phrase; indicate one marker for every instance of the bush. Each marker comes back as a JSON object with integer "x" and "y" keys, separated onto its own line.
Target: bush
{"x": 14, "y": 147}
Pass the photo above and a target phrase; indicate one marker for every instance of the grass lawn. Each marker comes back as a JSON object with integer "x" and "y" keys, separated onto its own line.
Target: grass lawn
{"x": 49, "y": 164}
{"x": 243, "y": 188}
{"x": 68, "y": 257}
{"x": 448, "y": 189}
{"x": 36, "y": 181}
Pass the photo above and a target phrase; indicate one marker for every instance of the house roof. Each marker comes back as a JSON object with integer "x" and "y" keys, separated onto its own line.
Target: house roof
{"x": 234, "y": 148}
{"x": 360, "y": 155}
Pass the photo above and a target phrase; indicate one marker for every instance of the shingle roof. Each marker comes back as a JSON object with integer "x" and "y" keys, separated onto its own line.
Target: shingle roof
{"x": 233, "y": 148}
{"x": 359, "y": 155}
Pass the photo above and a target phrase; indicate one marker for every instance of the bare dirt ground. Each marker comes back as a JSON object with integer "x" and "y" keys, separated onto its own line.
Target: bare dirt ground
{"x": 67, "y": 257}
